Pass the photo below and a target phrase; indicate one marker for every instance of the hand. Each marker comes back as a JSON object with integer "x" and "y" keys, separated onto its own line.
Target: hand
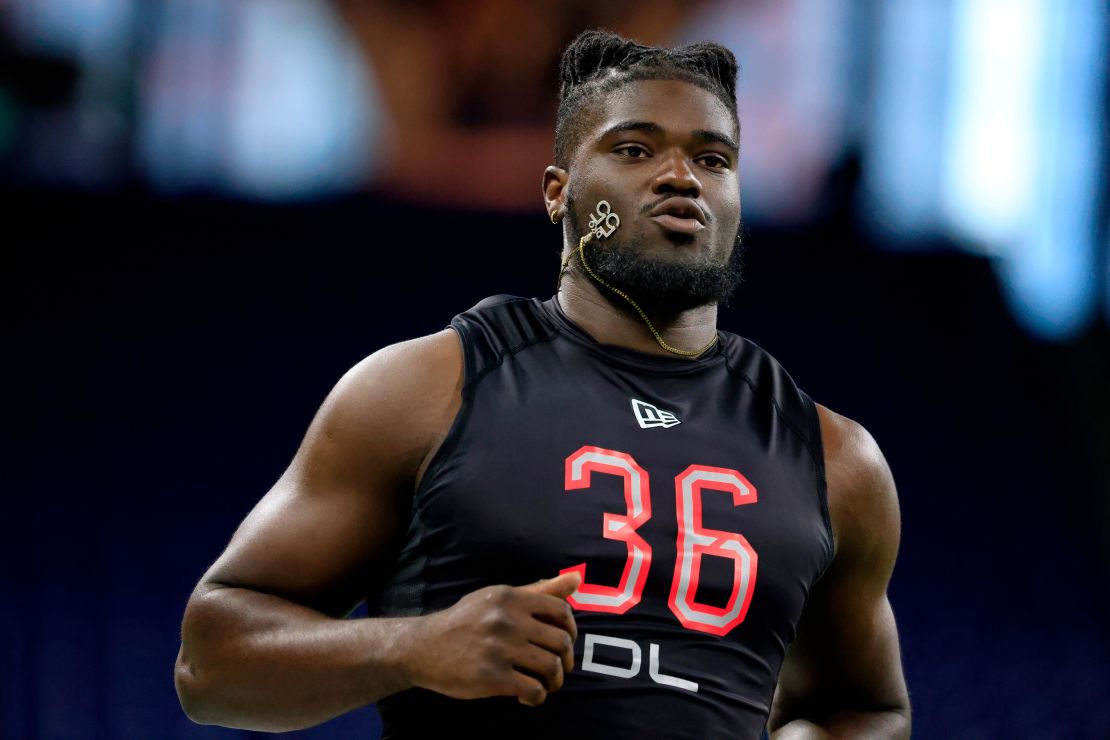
{"x": 499, "y": 641}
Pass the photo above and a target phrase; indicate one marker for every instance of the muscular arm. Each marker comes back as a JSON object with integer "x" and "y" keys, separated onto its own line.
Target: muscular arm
{"x": 843, "y": 674}
{"x": 264, "y": 642}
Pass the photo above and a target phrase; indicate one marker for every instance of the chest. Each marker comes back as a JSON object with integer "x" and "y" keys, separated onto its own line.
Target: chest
{"x": 683, "y": 499}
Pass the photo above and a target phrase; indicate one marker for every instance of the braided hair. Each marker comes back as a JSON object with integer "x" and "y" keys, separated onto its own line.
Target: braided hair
{"x": 598, "y": 62}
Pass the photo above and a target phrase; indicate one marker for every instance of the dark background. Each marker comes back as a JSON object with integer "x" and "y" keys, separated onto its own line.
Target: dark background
{"x": 164, "y": 375}
{"x": 204, "y": 225}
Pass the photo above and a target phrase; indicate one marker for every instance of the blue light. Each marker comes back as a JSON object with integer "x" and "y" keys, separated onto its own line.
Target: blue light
{"x": 996, "y": 143}
{"x": 264, "y": 98}
{"x": 902, "y": 166}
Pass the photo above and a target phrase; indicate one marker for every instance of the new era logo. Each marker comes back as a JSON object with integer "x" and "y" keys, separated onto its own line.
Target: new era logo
{"x": 649, "y": 416}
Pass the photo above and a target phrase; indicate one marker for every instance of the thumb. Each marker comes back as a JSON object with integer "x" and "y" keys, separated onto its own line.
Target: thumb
{"x": 562, "y": 586}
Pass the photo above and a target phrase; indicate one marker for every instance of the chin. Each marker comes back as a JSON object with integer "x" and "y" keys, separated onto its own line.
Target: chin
{"x": 680, "y": 239}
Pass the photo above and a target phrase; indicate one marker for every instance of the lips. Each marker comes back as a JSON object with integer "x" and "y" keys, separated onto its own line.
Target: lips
{"x": 679, "y": 214}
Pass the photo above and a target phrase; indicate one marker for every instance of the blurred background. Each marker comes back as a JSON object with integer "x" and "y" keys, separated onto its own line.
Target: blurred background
{"x": 212, "y": 209}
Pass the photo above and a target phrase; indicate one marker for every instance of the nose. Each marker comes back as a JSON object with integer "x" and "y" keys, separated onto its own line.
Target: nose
{"x": 676, "y": 175}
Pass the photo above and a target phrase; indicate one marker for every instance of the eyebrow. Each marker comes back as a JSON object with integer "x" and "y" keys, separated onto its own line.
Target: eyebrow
{"x": 653, "y": 128}
{"x": 718, "y": 137}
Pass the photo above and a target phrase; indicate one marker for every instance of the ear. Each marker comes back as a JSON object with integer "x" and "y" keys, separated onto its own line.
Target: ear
{"x": 554, "y": 188}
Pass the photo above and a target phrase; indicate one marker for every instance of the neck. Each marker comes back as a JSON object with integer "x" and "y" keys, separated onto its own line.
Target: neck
{"x": 610, "y": 319}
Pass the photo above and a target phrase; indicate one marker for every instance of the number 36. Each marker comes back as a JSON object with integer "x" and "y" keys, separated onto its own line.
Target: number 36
{"x": 694, "y": 541}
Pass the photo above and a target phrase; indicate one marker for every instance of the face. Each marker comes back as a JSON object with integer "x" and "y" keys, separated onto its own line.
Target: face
{"x": 663, "y": 154}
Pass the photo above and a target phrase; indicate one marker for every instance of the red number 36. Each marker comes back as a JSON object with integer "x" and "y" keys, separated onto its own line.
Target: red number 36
{"x": 694, "y": 541}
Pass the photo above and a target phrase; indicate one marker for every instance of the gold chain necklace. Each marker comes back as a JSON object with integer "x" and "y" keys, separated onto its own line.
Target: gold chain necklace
{"x": 643, "y": 314}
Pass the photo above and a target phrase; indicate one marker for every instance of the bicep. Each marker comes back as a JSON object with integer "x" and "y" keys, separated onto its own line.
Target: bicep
{"x": 845, "y": 658}
{"x": 323, "y": 533}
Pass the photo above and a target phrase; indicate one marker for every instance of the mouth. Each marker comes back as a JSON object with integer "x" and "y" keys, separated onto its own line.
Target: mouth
{"x": 679, "y": 214}
{"x": 674, "y": 223}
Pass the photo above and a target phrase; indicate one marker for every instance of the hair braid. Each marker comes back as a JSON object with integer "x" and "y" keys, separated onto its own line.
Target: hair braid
{"x": 597, "y": 62}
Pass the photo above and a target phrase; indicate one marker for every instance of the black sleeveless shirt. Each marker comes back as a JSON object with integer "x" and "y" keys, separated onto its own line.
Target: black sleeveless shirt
{"x": 690, "y": 494}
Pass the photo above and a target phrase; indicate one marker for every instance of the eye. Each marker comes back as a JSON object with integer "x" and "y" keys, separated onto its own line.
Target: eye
{"x": 715, "y": 161}
{"x": 635, "y": 151}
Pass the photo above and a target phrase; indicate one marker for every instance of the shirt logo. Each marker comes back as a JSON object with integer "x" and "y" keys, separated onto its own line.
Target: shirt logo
{"x": 649, "y": 416}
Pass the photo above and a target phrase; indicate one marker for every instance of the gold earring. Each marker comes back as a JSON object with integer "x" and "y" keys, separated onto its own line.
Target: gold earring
{"x": 554, "y": 215}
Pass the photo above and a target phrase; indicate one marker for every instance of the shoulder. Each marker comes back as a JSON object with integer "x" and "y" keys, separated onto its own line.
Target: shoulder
{"x": 398, "y": 402}
{"x": 770, "y": 381}
{"x": 413, "y": 360}
{"x": 501, "y": 325}
{"x": 399, "y": 373}
{"x": 863, "y": 501}
{"x": 765, "y": 375}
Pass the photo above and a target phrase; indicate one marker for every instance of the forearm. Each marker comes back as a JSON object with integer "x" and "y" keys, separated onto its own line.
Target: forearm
{"x": 877, "y": 724}
{"x": 255, "y": 661}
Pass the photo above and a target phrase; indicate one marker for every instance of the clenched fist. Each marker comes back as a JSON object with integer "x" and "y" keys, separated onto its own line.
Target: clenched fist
{"x": 499, "y": 641}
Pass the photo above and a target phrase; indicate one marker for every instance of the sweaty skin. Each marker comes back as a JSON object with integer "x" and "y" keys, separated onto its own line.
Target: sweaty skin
{"x": 265, "y": 644}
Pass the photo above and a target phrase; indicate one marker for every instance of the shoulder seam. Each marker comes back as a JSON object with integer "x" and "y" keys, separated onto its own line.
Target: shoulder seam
{"x": 478, "y": 376}
{"x": 463, "y": 416}
{"x": 465, "y": 339}
{"x": 818, "y": 462}
{"x": 782, "y": 415}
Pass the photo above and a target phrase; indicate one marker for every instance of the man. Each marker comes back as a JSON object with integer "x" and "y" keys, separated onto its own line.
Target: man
{"x": 592, "y": 516}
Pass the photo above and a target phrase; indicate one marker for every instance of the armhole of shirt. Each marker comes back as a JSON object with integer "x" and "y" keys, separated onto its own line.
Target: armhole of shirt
{"x": 817, "y": 450}
{"x": 458, "y": 425}
{"x": 402, "y": 593}
{"x": 482, "y": 353}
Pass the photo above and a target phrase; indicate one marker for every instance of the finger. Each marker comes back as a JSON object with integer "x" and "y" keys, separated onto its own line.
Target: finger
{"x": 562, "y": 586}
{"x": 553, "y": 611}
{"x": 554, "y": 640}
{"x": 541, "y": 664}
{"x": 527, "y": 690}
